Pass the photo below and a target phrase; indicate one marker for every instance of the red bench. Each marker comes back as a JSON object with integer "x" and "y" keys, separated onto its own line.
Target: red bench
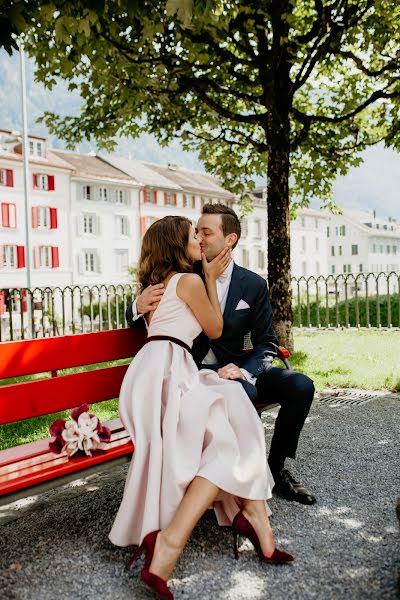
{"x": 33, "y": 465}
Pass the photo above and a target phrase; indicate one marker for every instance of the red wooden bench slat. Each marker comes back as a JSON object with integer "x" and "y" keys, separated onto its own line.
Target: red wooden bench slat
{"x": 47, "y": 457}
{"x": 35, "y": 476}
{"x": 20, "y": 401}
{"x": 26, "y": 357}
{"x": 12, "y": 456}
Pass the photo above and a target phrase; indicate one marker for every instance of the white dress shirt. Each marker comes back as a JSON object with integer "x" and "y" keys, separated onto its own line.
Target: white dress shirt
{"x": 223, "y": 283}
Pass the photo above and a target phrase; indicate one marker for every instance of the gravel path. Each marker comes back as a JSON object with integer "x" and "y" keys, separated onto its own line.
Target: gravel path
{"x": 346, "y": 546}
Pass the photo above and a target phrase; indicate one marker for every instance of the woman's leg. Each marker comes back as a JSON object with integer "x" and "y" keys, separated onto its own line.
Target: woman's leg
{"x": 255, "y": 512}
{"x": 199, "y": 495}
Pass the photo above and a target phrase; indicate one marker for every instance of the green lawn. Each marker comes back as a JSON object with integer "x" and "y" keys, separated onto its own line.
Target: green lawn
{"x": 363, "y": 359}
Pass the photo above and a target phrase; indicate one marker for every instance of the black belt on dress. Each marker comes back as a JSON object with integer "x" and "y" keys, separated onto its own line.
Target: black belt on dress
{"x": 168, "y": 338}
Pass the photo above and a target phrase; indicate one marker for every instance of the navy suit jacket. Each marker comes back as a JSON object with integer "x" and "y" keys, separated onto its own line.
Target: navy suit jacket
{"x": 256, "y": 320}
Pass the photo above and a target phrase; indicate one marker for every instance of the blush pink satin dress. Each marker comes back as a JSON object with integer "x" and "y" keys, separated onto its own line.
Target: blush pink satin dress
{"x": 184, "y": 423}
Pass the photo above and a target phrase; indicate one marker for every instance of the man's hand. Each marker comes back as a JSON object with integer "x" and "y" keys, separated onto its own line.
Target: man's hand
{"x": 230, "y": 371}
{"x": 149, "y": 298}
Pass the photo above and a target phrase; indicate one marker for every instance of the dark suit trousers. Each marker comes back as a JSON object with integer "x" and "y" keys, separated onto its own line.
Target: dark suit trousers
{"x": 294, "y": 392}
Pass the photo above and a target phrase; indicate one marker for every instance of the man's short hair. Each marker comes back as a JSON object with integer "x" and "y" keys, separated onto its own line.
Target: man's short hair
{"x": 230, "y": 220}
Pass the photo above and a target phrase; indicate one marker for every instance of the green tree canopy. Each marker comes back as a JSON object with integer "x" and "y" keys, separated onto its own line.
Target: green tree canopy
{"x": 292, "y": 90}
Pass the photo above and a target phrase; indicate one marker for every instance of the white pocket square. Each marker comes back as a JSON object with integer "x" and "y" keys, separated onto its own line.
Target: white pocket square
{"x": 241, "y": 305}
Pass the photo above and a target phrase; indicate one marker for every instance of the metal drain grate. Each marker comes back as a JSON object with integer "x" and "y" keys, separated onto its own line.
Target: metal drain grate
{"x": 346, "y": 397}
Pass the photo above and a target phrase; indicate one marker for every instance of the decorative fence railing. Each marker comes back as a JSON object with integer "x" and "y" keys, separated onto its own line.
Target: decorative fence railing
{"x": 41, "y": 312}
{"x": 363, "y": 300}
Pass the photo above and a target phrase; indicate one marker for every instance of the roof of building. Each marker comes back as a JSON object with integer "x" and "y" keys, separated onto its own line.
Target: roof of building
{"x": 141, "y": 172}
{"x": 192, "y": 181}
{"x": 93, "y": 167}
{"x": 50, "y": 160}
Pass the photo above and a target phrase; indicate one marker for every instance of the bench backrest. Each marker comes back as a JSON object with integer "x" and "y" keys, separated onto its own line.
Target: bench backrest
{"x": 20, "y": 401}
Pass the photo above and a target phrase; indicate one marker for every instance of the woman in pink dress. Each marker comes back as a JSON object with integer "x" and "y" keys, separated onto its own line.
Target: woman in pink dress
{"x": 198, "y": 439}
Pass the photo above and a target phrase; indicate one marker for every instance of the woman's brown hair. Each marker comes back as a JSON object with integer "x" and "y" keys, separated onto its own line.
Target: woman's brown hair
{"x": 164, "y": 249}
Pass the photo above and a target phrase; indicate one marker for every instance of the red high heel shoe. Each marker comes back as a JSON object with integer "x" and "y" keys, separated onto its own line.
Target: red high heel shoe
{"x": 155, "y": 583}
{"x": 241, "y": 526}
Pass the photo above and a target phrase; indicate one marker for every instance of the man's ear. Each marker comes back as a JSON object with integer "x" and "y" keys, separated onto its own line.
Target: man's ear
{"x": 231, "y": 239}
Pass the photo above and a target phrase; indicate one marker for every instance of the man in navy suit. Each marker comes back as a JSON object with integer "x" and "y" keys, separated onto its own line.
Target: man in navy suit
{"x": 247, "y": 312}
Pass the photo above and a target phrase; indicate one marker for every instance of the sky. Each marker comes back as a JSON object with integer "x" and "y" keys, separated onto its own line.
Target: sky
{"x": 374, "y": 185}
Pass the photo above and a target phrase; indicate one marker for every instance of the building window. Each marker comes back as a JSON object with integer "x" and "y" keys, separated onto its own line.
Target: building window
{"x": 9, "y": 256}
{"x": 244, "y": 225}
{"x": 122, "y": 223}
{"x": 342, "y": 230}
{"x": 257, "y": 229}
{"x": 374, "y": 248}
{"x": 245, "y": 257}
{"x": 44, "y": 183}
{"x": 103, "y": 194}
{"x": 354, "y": 249}
{"x": 317, "y": 244}
{"x": 346, "y": 268}
{"x": 394, "y": 249}
{"x": 381, "y": 249}
{"x": 327, "y": 231}
{"x": 45, "y": 256}
{"x": 89, "y": 224}
{"x": 317, "y": 268}
{"x": 120, "y": 196}
{"x": 333, "y": 269}
{"x": 169, "y": 199}
{"x": 121, "y": 261}
{"x": 303, "y": 221}
{"x": 360, "y": 268}
{"x": 87, "y": 192}
{"x": 193, "y": 201}
{"x": 35, "y": 148}
{"x": 145, "y": 223}
{"x": 8, "y": 215}
{"x": 304, "y": 268}
{"x": 316, "y": 223}
{"x": 91, "y": 262}
{"x": 184, "y": 201}
{"x": 340, "y": 250}
{"x": 7, "y": 177}
{"x": 332, "y": 250}
{"x": 261, "y": 259}
{"x": 44, "y": 217}
{"x": 387, "y": 249}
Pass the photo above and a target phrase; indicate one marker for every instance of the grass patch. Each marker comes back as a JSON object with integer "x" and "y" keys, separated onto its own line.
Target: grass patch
{"x": 360, "y": 359}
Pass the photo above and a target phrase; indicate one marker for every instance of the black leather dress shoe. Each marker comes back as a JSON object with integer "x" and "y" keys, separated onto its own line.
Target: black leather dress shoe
{"x": 289, "y": 488}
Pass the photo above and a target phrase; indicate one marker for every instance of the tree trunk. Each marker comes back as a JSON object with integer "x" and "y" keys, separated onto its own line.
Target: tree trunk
{"x": 279, "y": 277}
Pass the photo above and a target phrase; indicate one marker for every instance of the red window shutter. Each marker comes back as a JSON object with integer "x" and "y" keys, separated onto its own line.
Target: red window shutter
{"x": 35, "y": 217}
{"x": 35, "y": 181}
{"x": 165, "y": 198}
{"x": 20, "y": 257}
{"x": 155, "y": 196}
{"x": 53, "y": 218}
{"x": 144, "y": 196}
{"x": 55, "y": 257}
{"x": 174, "y": 199}
{"x": 2, "y": 302}
{"x": 24, "y": 301}
{"x": 10, "y": 178}
{"x": 5, "y": 217}
{"x": 50, "y": 183}
{"x": 143, "y": 225}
